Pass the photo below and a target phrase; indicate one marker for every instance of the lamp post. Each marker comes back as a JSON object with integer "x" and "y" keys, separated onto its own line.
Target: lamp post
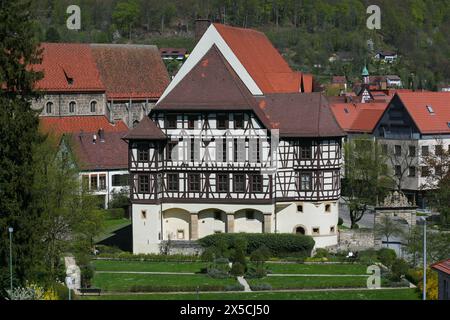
{"x": 10, "y": 230}
{"x": 425, "y": 258}
{"x": 70, "y": 282}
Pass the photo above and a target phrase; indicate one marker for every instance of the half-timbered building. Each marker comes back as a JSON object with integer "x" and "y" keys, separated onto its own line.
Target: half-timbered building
{"x": 237, "y": 143}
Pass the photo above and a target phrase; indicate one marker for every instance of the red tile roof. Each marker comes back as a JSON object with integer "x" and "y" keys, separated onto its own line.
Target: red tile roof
{"x": 131, "y": 71}
{"x": 443, "y": 266}
{"x": 428, "y": 123}
{"x": 76, "y": 124}
{"x": 358, "y": 117}
{"x": 65, "y": 62}
{"x": 110, "y": 154}
{"x": 262, "y": 61}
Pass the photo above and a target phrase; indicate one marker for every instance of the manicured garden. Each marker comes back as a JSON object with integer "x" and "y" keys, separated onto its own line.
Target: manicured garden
{"x": 148, "y": 266}
{"x": 306, "y": 282}
{"x": 382, "y": 294}
{"x": 128, "y": 282}
{"x": 300, "y": 268}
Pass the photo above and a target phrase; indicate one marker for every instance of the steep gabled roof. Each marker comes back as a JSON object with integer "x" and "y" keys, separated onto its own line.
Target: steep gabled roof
{"x": 212, "y": 84}
{"x": 111, "y": 153}
{"x": 146, "y": 129}
{"x": 131, "y": 71}
{"x": 68, "y": 67}
{"x": 76, "y": 124}
{"x": 417, "y": 104}
{"x": 260, "y": 58}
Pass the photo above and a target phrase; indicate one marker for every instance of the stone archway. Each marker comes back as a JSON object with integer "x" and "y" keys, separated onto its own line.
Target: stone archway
{"x": 211, "y": 221}
{"x": 249, "y": 220}
{"x": 176, "y": 224}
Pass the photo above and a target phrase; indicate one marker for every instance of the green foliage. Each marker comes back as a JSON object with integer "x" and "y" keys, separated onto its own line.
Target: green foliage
{"x": 437, "y": 246}
{"x": 129, "y": 256}
{"x": 388, "y": 228}
{"x": 399, "y": 268}
{"x": 278, "y": 244}
{"x": 387, "y": 256}
{"x": 368, "y": 256}
{"x": 126, "y": 14}
{"x": 119, "y": 199}
{"x": 238, "y": 269}
{"x": 340, "y": 221}
{"x": 321, "y": 253}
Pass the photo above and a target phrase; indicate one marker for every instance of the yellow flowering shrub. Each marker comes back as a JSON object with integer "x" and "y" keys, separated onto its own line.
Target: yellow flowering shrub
{"x": 432, "y": 284}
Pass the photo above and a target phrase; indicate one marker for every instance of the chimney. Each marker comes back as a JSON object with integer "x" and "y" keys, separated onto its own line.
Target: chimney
{"x": 201, "y": 25}
{"x": 101, "y": 135}
{"x": 94, "y": 139}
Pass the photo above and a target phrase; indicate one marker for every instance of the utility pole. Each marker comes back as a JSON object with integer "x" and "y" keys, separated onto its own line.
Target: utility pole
{"x": 10, "y": 229}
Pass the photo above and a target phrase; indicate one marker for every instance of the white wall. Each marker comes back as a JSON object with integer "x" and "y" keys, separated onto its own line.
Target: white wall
{"x": 207, "y": 224}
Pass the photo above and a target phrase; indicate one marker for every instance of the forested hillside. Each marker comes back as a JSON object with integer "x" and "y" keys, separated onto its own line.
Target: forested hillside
{"x": 307, "y": 32}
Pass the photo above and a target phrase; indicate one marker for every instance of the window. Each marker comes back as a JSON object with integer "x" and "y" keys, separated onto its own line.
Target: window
{"x": 398, "y": 150}
{"x": 222, "y": 183}
{"x": 257, "y": 183}
{"x": 328, "y": 208}
{"x": 254, "y": 150}
{"x": 239, "y": 121}
{"x": 171, "y": 121}
{"x": 412, "y": 172}
{"x": 300, "y": 208}
{"x": 194, "y": 182}
{"x": 222, "y": 121}
{"x": 191, "y": 122}
{"x": 305, "y": 152}
{"x": 172, "y": 182}
{"x": 439, "y": 150}
{"x": 102, "y": 182}
{"x": 430, "y": 109}
{"x": 398, "y": 171}
{"x": 72, "y": 105}
{"x": 144, "y": 214}
{"x": 144, "y": 184}
{"x": 425, "y": 171}
{"x": 412, "y": 151}
{"x": 438, "y": 170}
{"x": 217, "y": 215}
{"x": 425, "y": 151}
{"x": 305, "y": 181}
{"x": 180, "y": 234}
{"x": 119, "y": 180}
{"x": 250, "y": 215}
{"x": 332, "y": 229}
{"x": 239, "y": 183}
{"x": 48, "y": 107}
{"x": 94, "y": 184}
{"x": 143, "y": 153}
{"x": 221, "y": 150}
{"x": 384, "y": 149}
{"x": 93, "y": 106}
{"x": 171, "y": 155}
{"x": 239, "y": 150}
{"x": 316, "y": 231}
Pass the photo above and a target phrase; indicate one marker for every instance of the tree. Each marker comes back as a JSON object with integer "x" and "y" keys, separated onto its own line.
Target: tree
{"x": 388, "y": 228}
{"x": 366, "y": 176}
{"x": 126, "y": 15}
{"x": 18, "y": 133}
{"x": 401, "y": 157}
{"x": 437, "y": 245}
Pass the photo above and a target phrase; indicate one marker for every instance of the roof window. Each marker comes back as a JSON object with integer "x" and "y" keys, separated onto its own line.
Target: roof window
{"x": 345, "y": 110}
{"x": 430, "y": 109}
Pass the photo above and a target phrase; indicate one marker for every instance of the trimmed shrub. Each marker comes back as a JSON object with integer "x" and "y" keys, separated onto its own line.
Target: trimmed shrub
{"x": 256, "y": 272}
{"x": 128, "y": 256}
{"x": 261, "y": 287}
{"x": 238, "y": 269}
{"x": 413, "y": 276}
{"x": 399, "y": 268}
{"x": 321, "y": 253}
{"x": 234, "y": 287}
{"x": 387, "y": 256}
{"x": 115, "y": 213}
{"x": 368, "y": 256}
{"x": 217, "y": 273}
{"x": 279, "y": 244}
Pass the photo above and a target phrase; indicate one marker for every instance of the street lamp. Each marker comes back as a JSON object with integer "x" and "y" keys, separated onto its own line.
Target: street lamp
{"x": 10, "y": 230}
{"x": 424, "y": 295}
{"x": 70, "y": 281}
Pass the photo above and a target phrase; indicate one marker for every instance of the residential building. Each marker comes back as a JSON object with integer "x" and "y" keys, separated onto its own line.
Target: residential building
{"x": 238, "y": 142}
{"x": 121, "y": 82}
{"x": 386, "y": 56}
{"x": 179, "y": 54}
{"x": 443, "y": 270}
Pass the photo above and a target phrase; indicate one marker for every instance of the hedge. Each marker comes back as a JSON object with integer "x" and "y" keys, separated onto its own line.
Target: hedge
{"x": 128, "y": 256}
{"x": 278, "y": 243}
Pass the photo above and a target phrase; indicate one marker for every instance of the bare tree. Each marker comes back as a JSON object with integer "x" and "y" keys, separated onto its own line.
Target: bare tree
{"x": 402, "y": 156}
{"x": 388, "y": 228}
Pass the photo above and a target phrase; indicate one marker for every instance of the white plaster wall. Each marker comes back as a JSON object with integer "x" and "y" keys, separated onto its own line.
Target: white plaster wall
{"x": 174, "y": 220}
{"x": 146, "y": 231}
{"x": 242, "y": 224}
{"x": 313, "y": 216}
{"x": 208, "y": 225}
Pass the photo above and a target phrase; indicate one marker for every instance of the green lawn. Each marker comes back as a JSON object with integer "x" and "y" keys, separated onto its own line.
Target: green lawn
{"x": 111, "y": 225}
{"x": 155, "y": 283}
{"x": 310, "y": 282}
{"x": 383, "y": 294}
{"x": 148, "y": 266}
{"x": 293, "y": 268}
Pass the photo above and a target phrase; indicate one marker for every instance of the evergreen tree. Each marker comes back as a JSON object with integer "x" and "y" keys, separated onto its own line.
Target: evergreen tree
{"x": 18, "y": 133}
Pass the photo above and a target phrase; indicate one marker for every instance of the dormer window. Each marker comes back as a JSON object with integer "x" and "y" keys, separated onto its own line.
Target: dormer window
{"x": 430, "y": 109}
{"x": 72, "y": 105}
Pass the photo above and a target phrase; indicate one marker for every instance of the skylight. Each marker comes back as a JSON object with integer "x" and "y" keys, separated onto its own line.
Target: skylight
{"x": 345, "y": 110}
{"x": 430, "y": 109}
{"x": 448, "y": 124}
